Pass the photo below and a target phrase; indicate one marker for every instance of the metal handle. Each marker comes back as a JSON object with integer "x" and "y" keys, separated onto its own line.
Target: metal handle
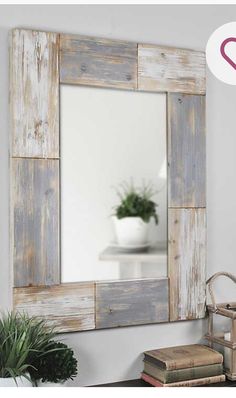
{"x": 211, "y": 280}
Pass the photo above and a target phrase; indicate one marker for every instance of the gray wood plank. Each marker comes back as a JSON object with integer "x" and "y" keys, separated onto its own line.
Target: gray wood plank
{"x": 187, "y": 263}
{"x": 34, "y": 76}
{"x": 186, "y": 151}
{"x": 132, "y": 302}
{"x": 35, "y": 218}
{"x": 69, "y": 307}
{"x": 98, "y": 62}
{"x": 170, "y": 69}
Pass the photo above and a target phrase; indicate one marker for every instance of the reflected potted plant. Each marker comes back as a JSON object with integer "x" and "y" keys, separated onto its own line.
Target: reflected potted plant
{"x": 133, "y": 214}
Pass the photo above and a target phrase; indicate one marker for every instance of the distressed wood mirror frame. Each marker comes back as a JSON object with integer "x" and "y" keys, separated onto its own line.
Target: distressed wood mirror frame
{"x": 39, "y": 63}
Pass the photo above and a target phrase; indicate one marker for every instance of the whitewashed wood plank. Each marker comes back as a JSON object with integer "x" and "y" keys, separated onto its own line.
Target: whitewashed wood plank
{"x": 170, "y": 69}
{"x": 35, "y": 205}
{"x": 186, "y": 150}
{"x": 98, "y": 62}
{"x": 68, "y": 307}
{"x": 34, "y": 75}
{"x": 187, "y": 263}
{"x": 132, "y": 302}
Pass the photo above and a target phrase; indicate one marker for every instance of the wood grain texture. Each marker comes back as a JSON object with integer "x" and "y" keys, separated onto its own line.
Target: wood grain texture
{"x": 132, "y": 302}
{"x": 171, "y": 69}
{"x": 34, "y": 75}
{"x": 98, "y": 62}
{"x": 35, "y": 190}
{"x": 35, "y": 201}
{"x": 68, "y": 307}
{"x": 186, "y": 151}
{"x": 187, "y": 263}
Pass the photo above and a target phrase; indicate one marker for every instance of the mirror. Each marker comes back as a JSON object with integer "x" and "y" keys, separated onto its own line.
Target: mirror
{"x": 109, "y": 137}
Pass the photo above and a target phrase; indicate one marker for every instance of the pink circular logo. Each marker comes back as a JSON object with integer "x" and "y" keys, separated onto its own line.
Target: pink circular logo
{"x": 221, "y": 53}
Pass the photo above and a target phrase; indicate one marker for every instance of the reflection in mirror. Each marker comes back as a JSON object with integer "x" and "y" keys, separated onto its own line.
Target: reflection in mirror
{"x": 109, "y": 137}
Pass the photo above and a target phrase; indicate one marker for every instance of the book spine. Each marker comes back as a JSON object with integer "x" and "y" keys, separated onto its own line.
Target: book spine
{"x": 184, "y": 363}
{"x": 197, "y": 382}
{"x": 171, "y": 376}
{"x": 173, "y": 365}
{"x": 188, "y": 383}
{"x": 194, "y": 373}
{"x": 191, "y": 363}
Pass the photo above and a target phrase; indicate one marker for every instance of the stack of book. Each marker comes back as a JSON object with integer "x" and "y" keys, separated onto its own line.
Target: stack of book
{"x": 183, "y": 366}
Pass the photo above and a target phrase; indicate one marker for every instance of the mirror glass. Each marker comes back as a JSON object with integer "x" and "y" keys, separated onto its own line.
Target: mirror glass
{"x": 111, "y": 139}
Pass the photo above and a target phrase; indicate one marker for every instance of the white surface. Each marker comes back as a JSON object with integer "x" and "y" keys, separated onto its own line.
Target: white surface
{"x": 107, "y": 137}
{"x": 49, "y": 384}
{"x": 18, "y": 382}
{"x": 152, "y": 255}
{"x": 112, "y": 355}
{"x": 133, "y": 248}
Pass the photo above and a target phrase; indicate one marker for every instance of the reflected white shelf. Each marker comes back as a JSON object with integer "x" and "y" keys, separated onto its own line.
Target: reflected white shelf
{"x": 156, "y": 253}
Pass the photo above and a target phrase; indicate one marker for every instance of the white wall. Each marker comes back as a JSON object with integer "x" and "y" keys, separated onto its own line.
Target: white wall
{"x": 113, "y": 355}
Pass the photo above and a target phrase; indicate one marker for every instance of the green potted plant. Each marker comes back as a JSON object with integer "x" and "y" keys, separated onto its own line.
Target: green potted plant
{"x": 133, "y": 214}
{"x": 22, "y": 339}
{"x": 55, "y": 367}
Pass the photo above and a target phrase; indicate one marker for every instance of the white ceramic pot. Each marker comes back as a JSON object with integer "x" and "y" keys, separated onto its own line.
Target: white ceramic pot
{"x": 10, "y": 382}
{"x": 131, "y": 230}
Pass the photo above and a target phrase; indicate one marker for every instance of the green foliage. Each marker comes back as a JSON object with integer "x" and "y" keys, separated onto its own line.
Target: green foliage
{"x": 22, "y": 339}
{"x": 58, "y": 365}
{"x": 136, "y": 202}
{"x": 27, "y": 347}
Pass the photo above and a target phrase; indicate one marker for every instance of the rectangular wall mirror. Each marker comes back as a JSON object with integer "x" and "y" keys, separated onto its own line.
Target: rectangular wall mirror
{"x": 87, "y": 115}
{"x": 109, "y": 137}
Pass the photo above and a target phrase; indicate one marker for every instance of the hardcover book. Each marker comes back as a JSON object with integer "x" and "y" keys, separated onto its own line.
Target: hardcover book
{"x": 186, "y": 356}
{"x": 186, "y": 383}
{"x": 171, "y": 376}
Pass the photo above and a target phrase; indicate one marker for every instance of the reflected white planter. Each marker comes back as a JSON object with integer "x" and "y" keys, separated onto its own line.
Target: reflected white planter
{"x": 130, "y": 230}
{"x": 10, "y": 382}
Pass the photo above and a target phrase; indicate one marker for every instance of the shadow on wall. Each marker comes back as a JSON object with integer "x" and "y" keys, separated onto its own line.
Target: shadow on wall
{"x": 98, "y": 363}
{"x": 89, "y": 370}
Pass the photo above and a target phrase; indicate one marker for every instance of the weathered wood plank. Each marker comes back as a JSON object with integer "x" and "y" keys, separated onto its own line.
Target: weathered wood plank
{"x": 35, "y": 194}
{"x": 68, "y": 307}
{"x": 132, "y": 302}
{"x": 36, "y": 218}
{"x": 187, "y": 263}
{"x": 98, "y": 62}
{"x": 186, "y": 150}
{"x": 171, "y": 69}
{"x": 34, "y": 94}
